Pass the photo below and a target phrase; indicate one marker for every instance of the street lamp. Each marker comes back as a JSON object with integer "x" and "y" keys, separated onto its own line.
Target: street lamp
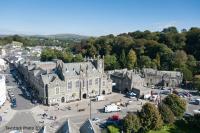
{"x": 90, "y": 108}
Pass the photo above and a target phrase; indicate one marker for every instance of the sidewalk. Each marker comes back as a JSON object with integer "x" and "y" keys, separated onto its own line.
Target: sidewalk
{"x": 6, "y": 113}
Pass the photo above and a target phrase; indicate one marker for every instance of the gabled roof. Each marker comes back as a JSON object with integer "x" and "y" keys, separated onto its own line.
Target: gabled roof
{"x": 42, "y": 130}
{"x": 67, "y": 127}
{"x": 89, "y": 127}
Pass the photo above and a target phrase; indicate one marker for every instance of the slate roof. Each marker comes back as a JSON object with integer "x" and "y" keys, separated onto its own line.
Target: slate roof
{"x": 149, "y": 71}
{"x": 89, "y": 127}
{"x": 67, "y": 127}
{"x": 72, "y": 69}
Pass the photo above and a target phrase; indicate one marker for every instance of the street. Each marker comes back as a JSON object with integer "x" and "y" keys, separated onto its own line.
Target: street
{"x": 22, "y": 101}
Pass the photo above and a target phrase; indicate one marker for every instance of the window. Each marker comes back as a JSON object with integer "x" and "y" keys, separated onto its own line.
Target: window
{"x": 77, "y": 84}
{"x": 69, "y": 85}
{"x": 96, "y": 81}
{"x": 90, "y": 82}
{"x": 104, "y": 83}
{"x": 57, "y": 90}
{"x": 83, "y": 83}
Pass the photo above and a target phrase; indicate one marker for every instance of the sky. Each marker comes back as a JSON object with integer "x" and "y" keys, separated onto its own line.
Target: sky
{"x": 96, "y": 17}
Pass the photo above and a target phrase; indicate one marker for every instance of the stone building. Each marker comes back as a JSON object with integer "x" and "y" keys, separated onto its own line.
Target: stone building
{"x": 140, "y": 81}
{"x": 129, "y": 80}
{"x": 58, "y": 82}
{"x": 162, "y": 78}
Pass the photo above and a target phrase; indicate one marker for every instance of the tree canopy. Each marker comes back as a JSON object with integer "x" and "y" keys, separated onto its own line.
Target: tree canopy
{"x": 150, "y": 117}
{"x": 176, "y": 104}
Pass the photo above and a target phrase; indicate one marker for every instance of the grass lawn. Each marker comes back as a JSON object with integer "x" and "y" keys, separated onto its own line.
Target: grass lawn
{"x": 165, "y": 129}
{"x": 178, "y": 127}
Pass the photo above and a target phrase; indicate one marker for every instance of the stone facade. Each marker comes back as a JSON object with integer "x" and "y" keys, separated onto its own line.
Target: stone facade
{"x": 58, "y": 82}
{"x": 162, "y": 78}
{"x": 129, "y": 80}
{"x": 140, "y": 81}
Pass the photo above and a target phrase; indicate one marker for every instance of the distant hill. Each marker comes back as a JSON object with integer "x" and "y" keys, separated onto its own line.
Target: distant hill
{"x": 54, "y": 36}
{"x": 63, "y": 36}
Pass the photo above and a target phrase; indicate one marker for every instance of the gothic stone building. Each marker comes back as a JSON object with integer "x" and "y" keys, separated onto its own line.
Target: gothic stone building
{"x": 58, "y": 82}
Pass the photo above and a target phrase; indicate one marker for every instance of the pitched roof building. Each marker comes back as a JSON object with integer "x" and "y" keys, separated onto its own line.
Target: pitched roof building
{"x": 57, "y": 82}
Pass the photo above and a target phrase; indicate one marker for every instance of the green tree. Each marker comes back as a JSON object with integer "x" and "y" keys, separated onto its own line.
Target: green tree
{"x": 132, "y": 58}
{"x": 131, "y": 123}
{"x": 193, "y": 42}
{"x": 150, "y": 117}
{"x": 158, "y": 60}
{"x": 192, "y": 63}
{"x": 110, "y": 62}
{"x": 194, "y": 121}
{"x": 170, "y": 29}
{"x": 67, "y": 57}
{"x": 48, "y": 55}
{"x": 123, "y": 60}
{"x": 187, "y": 73}
{"x": 78, "y": 58}
{"x": 145, "y": 61}
{"x": 197, "y": 82}
{"x": 166, "y": 114}
{"x": 91, "y": 50}
{"x": 179, "y": 59}
{"x": 176, "y": 104}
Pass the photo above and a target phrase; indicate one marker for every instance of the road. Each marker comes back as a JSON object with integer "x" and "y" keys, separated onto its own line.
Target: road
{"x": 22, "y": 101}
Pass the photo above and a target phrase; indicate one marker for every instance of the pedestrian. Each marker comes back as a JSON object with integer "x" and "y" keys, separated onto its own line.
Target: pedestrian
{"x": 55, "y": 118}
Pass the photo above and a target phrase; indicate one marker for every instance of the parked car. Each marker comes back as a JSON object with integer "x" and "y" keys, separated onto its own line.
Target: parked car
{"x": 154, "y": 97}
{"x": 197, "y": 111}
{"x": 187, "y": 115}
{"x": 34, "y": 101}
{"x": 111, "y": 108}
{"x": 96, "y": 119}
{"x": 11, "y": 94}
{"x": 195, "y": 101}
{"x": 9, "y": 90}
{"x": 165, "y": 92}
{"x": 131, "y": 95}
